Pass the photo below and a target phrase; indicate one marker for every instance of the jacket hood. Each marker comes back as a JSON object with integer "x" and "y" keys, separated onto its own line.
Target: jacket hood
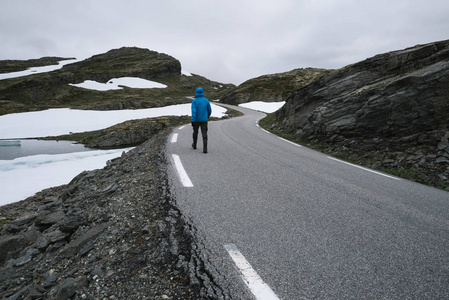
{"x": 199, "y": 92}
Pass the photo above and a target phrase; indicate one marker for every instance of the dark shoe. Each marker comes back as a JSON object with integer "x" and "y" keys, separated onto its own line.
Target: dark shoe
{"x": 193, "y": 146}
{"x": 205, "y": 150}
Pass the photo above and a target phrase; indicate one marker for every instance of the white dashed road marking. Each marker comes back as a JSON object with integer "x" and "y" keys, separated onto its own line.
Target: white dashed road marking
{"x": 174, "y": 138}
{"x": 182, "y": 174}
{"x": 257, "y": 286}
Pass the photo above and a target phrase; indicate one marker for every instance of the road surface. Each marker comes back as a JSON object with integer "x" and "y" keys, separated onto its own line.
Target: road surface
{"x": 310, "y": 226}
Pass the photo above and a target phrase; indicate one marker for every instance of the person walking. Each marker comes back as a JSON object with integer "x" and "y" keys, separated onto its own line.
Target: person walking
{"x": 201, "y": 112}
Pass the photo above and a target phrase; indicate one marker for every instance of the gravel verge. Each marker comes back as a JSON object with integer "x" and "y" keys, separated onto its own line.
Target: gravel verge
{"x": 113, "y": 233}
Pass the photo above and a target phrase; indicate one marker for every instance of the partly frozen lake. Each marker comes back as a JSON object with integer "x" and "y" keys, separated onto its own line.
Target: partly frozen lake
{"x": 35, "y": 147}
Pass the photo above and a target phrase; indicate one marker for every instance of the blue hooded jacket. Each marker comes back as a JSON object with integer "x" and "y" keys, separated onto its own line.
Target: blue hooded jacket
{"x": 201, "y": 109}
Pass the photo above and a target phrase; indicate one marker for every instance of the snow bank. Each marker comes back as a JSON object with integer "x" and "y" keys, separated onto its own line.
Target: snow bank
{"x": 63, "y": 120}
{"x": 117, "y": 83}
{"x": 266, "y": 107}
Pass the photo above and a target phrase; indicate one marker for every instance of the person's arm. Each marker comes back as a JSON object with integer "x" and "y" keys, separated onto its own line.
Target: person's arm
{"x": 209, "y": 109}
{"x": 193, "y": 111}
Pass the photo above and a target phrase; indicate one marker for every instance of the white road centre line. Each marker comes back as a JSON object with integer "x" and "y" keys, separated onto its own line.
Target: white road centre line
{"x": 182, "y": 127}
{"x": 174, "y": 138}
{"x": 363, "y": 168}
{"x": 185, "y": 180}
{"x": 257, "y": 286}
{"x": 298, "y": 145}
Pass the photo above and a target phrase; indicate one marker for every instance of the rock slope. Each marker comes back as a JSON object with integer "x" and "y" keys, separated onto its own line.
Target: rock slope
{"x": 113, "y": 233}
{"x": 396, "y": 103}
{"x": 273, "y": 87}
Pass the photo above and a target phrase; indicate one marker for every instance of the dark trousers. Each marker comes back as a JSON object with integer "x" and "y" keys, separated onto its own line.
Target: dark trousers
{"x": 196, "y": 126}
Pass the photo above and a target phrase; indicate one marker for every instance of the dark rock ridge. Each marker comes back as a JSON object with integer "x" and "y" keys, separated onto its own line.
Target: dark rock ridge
{"x": 113, "y": 233}
{"x": 124, "y": 62}
{"x": 273, "y": 87}
{"x": 396, "y": 103}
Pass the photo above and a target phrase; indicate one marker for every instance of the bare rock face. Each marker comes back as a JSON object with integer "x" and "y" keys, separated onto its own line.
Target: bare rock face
{"x": 392, "y": 101}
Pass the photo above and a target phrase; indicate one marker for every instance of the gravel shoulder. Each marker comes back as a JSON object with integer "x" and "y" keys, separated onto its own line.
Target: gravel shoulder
{"x": 113, "y": 233}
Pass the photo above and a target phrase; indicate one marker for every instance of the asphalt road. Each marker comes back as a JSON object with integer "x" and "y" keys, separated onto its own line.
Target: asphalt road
{"x": 312, "y": 227}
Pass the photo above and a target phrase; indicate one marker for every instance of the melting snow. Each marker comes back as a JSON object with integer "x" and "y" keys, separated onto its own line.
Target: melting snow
{"x": 184, "y": 72}
{"x": 117, "y": 83}
{"x": 37, "y": 70}
{"x": 63, "y": 120}
{"x": 266, "y": 107}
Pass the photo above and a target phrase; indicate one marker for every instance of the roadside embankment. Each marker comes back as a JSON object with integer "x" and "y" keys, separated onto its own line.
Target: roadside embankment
{"x": 112, "y": 233}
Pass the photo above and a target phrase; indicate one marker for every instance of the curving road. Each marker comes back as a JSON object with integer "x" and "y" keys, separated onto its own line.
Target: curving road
{"x": 311, "y": 226}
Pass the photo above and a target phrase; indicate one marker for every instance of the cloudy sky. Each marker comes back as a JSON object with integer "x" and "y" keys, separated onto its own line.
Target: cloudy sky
{"x": 224, "y": 40}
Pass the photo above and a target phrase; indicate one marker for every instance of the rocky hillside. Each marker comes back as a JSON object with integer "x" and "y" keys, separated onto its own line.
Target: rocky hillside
{"x": 273, "y": 87}
{"x": 394, "y": 104}
{"x": 52, "y": 89}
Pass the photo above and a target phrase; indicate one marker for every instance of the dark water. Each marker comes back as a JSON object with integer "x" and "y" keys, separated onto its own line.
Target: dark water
{"x": 34, "y": 147}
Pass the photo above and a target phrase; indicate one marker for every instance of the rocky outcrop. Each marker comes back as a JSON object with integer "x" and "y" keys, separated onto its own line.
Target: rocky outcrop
{"x": 131, "y": 133}
{"x": 396, "y": 102}
{"x": 127, "y": 134}
{"x": 113, "y": 233}
{"x": 272, "y": 88}
{"x": 124, "y": 62}
{"x": 396, "y": 98}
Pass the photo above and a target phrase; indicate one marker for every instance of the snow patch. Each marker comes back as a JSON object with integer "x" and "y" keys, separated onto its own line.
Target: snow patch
{"x": 266, "y": 107}
{"x": 37, "y": 70}
{"x": 61, "y": 121}
{"x": 118, "y": 83}
{"x": 184, "y": 72}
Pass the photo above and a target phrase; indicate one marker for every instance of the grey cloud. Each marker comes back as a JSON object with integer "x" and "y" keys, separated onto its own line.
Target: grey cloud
{"x": 227, "y": 41}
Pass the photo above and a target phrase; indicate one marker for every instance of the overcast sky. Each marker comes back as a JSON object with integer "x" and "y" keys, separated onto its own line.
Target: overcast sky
{"x": 224, "y": 40}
